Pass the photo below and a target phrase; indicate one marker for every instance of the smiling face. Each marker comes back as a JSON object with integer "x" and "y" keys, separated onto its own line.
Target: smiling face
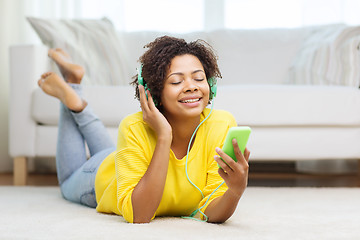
{"x": 186, "y": 90}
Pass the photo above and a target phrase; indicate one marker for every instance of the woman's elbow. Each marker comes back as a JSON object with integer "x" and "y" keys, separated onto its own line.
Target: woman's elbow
{"x": 216, "y": 221}
{"x": 140, "y": 220}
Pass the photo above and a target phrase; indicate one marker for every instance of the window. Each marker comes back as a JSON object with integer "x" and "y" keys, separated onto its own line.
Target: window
{"x": 165, "y": 15}
{"x": 289, "y": 13}
{"x": 180, "y": 16}
{"x": 263, "y": 14}
{"x": 145, "y": 15}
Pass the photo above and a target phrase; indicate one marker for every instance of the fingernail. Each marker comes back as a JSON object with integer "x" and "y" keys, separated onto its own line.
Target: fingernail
{"x": 217, "y": 149}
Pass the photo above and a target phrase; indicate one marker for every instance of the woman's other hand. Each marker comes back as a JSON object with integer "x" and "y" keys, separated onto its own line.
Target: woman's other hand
{"x": 153, "y": 116}
{"x": 235, "y": 174}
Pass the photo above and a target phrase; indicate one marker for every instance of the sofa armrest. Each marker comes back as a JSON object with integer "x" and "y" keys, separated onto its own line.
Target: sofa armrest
{"x": 27, "y": 63}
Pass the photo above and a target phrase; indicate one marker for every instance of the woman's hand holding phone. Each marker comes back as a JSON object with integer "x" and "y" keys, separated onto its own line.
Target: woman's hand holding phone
{"x": 234, "y": 171}
{"x": 235, "y": 174}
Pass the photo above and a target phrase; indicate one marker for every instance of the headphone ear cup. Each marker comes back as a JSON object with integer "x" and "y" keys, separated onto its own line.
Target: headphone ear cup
{"x": 214, "y": 90}
{"x": 140, "y": 78}
{"x": 141, "y": 82}
{"x": 213, "y": 87}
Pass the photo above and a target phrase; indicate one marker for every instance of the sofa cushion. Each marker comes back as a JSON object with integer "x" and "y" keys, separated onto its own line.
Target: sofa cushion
{"x": 276, "y": 144}
{"x": 282, "y": 105}
{"x": 328, "y": 56}
{"x": 111, "y": 104}
{"x": 46, "y": 140}
{"x": 254, "y": 105}
{"x": 261, "y": 56}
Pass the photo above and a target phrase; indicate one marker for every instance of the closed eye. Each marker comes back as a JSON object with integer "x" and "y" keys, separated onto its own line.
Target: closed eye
{"x": 199, "y": 79}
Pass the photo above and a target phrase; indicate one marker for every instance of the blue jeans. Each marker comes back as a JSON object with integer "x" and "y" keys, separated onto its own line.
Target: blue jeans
{"x": 76, "y": 174}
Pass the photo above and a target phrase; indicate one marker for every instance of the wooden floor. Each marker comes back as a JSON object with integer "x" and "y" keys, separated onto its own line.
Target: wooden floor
{"x": 255, "y": 179}
{"x": 285, "y": 175}
{"x": 261, "y": 174}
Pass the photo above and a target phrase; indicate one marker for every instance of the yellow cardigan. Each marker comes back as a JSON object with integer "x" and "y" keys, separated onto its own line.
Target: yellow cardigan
{"x": 120, "y": 172}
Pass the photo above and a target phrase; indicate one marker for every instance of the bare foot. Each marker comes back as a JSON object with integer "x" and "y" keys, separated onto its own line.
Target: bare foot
{"x": 53, "y": 85}
{"x": 71, "y": 72}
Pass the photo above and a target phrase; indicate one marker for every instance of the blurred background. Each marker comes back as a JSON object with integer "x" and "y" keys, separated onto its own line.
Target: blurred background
{"x": 177, "y": 16}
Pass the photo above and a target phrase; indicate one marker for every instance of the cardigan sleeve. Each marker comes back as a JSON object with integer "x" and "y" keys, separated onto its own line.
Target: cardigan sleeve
{"x": 134, "y": 153}
{"x": 130, "y": 167}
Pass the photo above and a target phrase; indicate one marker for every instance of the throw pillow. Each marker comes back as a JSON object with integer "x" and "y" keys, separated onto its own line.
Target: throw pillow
{"x": 94, "y": 44}
{"x": 328, "y": 56}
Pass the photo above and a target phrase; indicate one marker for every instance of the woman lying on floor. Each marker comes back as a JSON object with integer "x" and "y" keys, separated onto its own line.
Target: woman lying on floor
{"x": 166, "y": 159}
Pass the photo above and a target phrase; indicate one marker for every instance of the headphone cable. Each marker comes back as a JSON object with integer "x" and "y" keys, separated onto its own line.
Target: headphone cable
{"x": 191, "y": 216}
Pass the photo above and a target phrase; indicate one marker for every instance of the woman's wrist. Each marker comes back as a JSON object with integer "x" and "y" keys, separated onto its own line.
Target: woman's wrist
{"x": 165, "y": 137}
{"x": 234, "y": 195}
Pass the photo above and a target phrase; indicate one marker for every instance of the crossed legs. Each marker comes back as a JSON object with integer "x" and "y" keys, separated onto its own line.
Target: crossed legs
{"x": 77, "y": 125}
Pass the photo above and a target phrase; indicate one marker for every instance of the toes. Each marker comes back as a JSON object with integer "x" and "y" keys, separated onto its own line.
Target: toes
{"x": 61, "y": 51}
{"x": 40, "y": 81}
{"x": 48, "y": 74}
{"x": 50, "y": 52}
{"x": 45, "y": 75}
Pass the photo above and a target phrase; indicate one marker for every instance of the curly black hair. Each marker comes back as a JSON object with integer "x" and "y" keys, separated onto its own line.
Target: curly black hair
{"x": 156, "y": 61}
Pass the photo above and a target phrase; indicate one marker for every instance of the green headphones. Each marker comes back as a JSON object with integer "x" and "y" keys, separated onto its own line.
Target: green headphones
{"x": 211, "y": 81}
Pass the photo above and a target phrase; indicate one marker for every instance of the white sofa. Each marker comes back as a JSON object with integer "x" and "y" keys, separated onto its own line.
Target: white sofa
{"x": 291, "y": 119}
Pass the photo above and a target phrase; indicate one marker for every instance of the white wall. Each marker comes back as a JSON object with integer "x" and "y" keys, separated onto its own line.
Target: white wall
{"x": 13, "y": 30}
{"x": 5, "y": 40}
